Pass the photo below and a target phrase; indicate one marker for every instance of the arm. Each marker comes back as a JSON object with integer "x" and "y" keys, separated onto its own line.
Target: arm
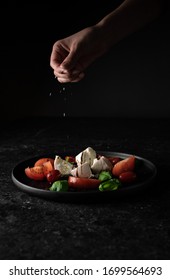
{"x": 72, "y": 55}
{"x": 129, "y": 17}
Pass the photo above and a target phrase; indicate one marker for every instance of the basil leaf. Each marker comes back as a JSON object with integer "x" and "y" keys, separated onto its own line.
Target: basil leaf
{"x": 59, "y": 186}
{"x": 105, "y": 175}
{"x": 109, "y": 185}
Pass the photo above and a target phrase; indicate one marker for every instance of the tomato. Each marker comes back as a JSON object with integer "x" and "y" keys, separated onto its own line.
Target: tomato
{"x": 127, "y": 164}
{"x": 41, "y": 161}
{"x": 35, "y": 172}
{"x": 127, "y": 177}
{"x": 83, "y": 183}
{"x": 114, "y": 160}
{"x": 47, "y": 167}
{"x": 53, "y": 175}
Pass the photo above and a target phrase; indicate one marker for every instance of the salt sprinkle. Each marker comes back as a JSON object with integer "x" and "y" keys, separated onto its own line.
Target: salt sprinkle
{"x": 62, "y": 90}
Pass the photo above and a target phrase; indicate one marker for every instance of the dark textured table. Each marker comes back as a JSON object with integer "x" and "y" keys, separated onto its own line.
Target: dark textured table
{"x": 136, "y": 226}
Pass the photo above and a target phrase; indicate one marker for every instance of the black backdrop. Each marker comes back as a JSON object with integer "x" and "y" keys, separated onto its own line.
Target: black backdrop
{"x": 128, "y": 77}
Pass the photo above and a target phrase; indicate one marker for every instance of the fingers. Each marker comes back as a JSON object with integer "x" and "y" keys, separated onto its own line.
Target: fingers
{"x": 58, "y": 55}
{"x": 70, "y": 60}
{"x": 71, "y": 80}
{"x": 65, "y": 76}
{"x": 64, "y": 64}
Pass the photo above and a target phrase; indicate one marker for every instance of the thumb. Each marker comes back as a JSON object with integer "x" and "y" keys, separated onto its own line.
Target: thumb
{"x": 70, "y": 61}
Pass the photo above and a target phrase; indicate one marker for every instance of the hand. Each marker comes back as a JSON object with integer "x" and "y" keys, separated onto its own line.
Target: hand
{"x": 72, "y": 55}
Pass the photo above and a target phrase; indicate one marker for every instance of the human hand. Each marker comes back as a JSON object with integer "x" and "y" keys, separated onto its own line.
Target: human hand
{"x": 72, "y": 55}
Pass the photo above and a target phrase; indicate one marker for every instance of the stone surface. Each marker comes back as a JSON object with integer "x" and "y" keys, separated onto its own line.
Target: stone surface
{"x": 132, "y": 227}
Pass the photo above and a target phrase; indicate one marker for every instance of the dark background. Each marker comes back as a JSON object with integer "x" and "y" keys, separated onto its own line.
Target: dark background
{"x": 132, "y": 80}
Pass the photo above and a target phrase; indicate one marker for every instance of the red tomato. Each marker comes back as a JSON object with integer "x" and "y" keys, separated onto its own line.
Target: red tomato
{"x": 53, "y": 175}
{"x": 47, "y": 167}
{"x": 127, "y": 164}
{"x": 35, "y": 173}
{"x": 41, "y": 161}
{"x": 83, "y": 183}
{"x": 114, "y": 160}
{"x": 127, "y": 177}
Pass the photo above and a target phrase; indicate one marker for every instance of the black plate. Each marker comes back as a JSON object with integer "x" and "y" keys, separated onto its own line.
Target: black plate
{"x": 146, "y": 177}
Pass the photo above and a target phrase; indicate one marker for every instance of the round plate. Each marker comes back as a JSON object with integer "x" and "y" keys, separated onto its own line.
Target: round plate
{"x": 146, "y": 177}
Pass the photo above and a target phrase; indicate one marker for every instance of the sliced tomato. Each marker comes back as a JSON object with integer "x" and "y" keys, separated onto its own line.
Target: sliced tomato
{"x": 47, "y": 167}
{"x": 83, "y": 183}
{"x": 127, "y": 164}
{"x": 35, "y": 172}
{"x": 41, "y": 161}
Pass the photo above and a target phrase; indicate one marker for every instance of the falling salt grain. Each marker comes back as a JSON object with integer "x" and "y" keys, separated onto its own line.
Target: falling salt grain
{"x": 62, "y": 90}
{"x": 64, "y": 114}
{"x": 50, "y": 93}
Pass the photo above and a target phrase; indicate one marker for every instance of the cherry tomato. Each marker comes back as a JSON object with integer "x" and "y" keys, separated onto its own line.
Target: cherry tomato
{"x": 114, "y": 160}
{"x": 41, "y": 161}
{"x": 35, "y": 173}
{"x": 127, "y": 177}
{"x": 53, "y": 175}
{"x": 127, "y": 164}
{"x": 83, "y": 183}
